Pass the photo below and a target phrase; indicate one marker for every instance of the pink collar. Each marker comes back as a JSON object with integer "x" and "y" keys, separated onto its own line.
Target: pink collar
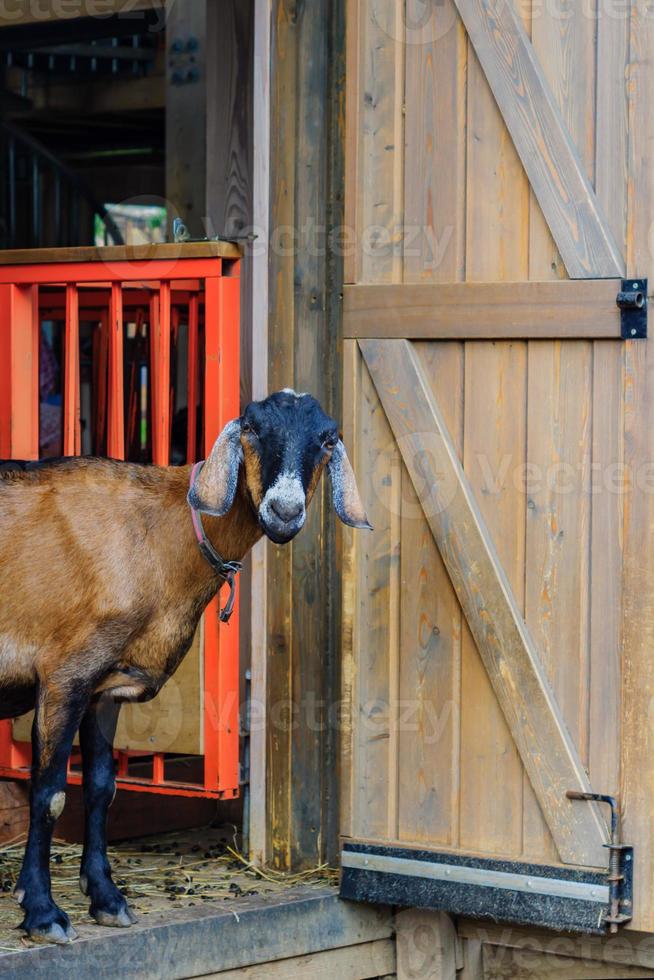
{"x": 227, "y": 570}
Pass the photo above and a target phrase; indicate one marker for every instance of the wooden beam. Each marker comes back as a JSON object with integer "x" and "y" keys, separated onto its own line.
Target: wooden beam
{"x": 121, "y": 253}
{"x": 304, "y": 324}
{"x": 484, "y": 311}
{"x": 364, "y": 961}
{"x": 503, "y": 640}
{"x": 551, "y": 161}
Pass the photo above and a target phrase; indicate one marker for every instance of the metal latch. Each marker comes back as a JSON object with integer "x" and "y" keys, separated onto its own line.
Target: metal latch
{"x": 620, "y": 876}
{"x": 632, "y": 300}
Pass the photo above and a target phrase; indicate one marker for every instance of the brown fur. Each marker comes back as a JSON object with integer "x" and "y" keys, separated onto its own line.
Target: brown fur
{"x": 101, "y": 579}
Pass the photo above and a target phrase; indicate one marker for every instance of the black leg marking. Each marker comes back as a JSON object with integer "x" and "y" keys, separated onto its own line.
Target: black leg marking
{"x": 108, "y": 905}
{"x": 59, "y": 709}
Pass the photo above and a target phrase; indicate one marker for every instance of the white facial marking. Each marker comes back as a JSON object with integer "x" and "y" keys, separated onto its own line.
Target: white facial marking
{"x": 296, "y": 394}
{"x": 57, "y": 804}
{"x": 286, "y": 491}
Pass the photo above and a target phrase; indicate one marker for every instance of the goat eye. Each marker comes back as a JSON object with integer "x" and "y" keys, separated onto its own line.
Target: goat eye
{"x": 246, "y": 427}
{"x": 330, "y": 442}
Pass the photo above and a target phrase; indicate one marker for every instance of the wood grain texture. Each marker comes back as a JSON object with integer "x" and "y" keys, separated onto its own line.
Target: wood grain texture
{"x": 379, "y": 94}
{"x": 494, "y": 427}
{"x": 430, "y": 644}
{"x": 350, "y": 621}
{"x": 637, "y": 775}
{"x": 303, "y": 347}
{"x": 434, "y": 143}
{"x": 380, "y": 478}
{"x": 365, "y": 961}
{"x": 611, "y": 121}
{"x": 606, "y": 566}
{"x": 547, "y": 152}
{"x": 484, "y": 310}
{"x": 558, "y": 522}
{"x": 502, "y": 638}
{"x": 121, "y": 253}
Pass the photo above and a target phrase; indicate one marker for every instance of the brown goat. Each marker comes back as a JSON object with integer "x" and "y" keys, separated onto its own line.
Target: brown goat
{"x": 102, "y": 585}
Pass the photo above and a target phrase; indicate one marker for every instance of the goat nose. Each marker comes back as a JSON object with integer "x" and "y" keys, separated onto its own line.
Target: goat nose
{"x": 287, "y": 511}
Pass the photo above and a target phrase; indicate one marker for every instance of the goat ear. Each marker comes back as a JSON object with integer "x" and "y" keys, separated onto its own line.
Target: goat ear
{"x": 347, "y": 502}
{"x": 215, "y": 488}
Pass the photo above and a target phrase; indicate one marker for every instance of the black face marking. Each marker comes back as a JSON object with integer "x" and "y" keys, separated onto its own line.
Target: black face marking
{"x": 292, "y": 436}
{"x": 291, "y": 433}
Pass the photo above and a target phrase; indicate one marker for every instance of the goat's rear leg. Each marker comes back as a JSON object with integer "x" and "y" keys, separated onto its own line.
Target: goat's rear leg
{"x": 108, "y": 905}
{"x": 59, "y": 709}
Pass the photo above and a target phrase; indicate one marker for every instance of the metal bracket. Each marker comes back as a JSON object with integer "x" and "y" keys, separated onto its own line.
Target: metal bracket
{"x": 632, "y": 300}
{"x": 621, "y": 864}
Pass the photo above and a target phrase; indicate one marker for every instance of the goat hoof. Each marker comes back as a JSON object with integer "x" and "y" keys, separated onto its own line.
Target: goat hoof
{"x": 19, "y": 894}
{"x": 60, "y": 931}
{"x": 122, "y": 919}
{"x": 53, "y": 934}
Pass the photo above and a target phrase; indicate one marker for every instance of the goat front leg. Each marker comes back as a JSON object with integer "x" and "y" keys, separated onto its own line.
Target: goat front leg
{"x": 108, "y": 905}
{"x": 61, "y": 702}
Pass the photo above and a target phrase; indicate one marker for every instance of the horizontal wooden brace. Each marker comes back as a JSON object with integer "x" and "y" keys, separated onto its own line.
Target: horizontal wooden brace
{"x": 567, "y": 309}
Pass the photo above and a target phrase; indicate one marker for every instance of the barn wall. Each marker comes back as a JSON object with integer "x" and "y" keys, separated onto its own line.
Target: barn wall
{"x": 305, "y": 279}
{"x": 545, "y": 429}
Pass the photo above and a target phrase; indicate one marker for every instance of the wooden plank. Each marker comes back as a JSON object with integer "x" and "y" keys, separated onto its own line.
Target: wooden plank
{"x": 494, "y": 427}
{"x": 430, "y": 643}
{"x": 434, "y": 143}
{"x": 350, "y": 622}
{"x": 121, "y": 253}
{"x": 606, "y": 567}
{"x": 548, "y": 154}
{"x": 303, "y": 331}
{"x": 500, "y": 962}
{"x": 566, "y": 51}
{"x": 259, "y": 306}
{"x": 497, "y": 189}
{"x": 426, "y": 945}
{"x": 380, "y": 154}
{"x": 637, "y": 776}
{"x": 497, "y": 226}
{"x": 378, "y": 562}
{"x": 611, "y": 122}
{"x": 631, "y": 948}
{"x": 558, "y": 522}
{"x": 196, "y": 941}
{"x": 354, "y": 39}
{"x": 483, "y": 310}
{"x": 365, "y": 961}
{"x": 494, "y": 618}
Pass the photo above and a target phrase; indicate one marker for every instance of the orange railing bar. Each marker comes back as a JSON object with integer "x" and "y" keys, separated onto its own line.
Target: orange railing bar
{"x": 160, "y": 348}
{"x": 192, "y": 380}
{"x": 72, "y": 430}
{"x": 115, "y": 393}
{"x": 222, "y": 403}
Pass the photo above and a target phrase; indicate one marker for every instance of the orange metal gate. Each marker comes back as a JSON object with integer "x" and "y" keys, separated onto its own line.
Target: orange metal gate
{"x": 129, "y": 304}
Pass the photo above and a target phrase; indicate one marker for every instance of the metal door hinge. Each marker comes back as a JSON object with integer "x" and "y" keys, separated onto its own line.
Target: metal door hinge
{"x": 632, "y": 300}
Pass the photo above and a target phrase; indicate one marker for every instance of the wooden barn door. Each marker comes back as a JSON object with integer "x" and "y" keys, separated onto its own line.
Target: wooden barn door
{"x": 485, "y": 366}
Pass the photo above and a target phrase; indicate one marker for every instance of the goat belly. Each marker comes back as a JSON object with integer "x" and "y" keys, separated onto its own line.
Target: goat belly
{"x": 17, "y": 700}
